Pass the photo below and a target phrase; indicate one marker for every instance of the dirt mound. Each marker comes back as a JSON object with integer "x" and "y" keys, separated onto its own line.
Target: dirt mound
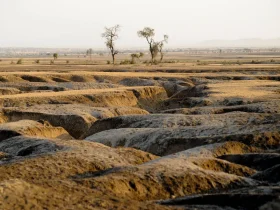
{"x": 9, "y": 91}
{"x": 75, "y": 118}
{"x": 148, "y": 97}
{"x": 272, "y": 106}
{"x": 180, "y": 121}
{"x": 15, "y": 193}
{"x": 26, "y": 146}
{"x": 169, "y": 176}
{"x": 163, "y": 141}
{"x": 38, "y": 162}
{"x": 31, "y": 128}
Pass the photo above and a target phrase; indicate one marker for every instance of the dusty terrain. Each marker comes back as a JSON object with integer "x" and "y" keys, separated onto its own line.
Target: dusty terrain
{"x": 180, "y": 136}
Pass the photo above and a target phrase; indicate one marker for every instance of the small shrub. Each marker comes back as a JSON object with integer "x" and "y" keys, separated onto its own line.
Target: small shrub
{"x": 272, "y": 60}
{"x": 37, "y": 61}
{"x": 19, "y": 61}
{"x": 67, "y": 61}
{"x": 170, "y": 61}
{"x": 125, "y": 62}
{"x": 238, "y": 62}
{"x": 156, "y": 62}
{"x": 255, "y": 62}
{"x": 108, "y": 62}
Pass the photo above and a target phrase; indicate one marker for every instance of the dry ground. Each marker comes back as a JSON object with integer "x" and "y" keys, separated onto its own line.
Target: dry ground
{"x": 171, "y": 136}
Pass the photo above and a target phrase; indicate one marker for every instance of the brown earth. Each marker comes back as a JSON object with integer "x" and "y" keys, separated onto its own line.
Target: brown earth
{"x": 139, "y": 137}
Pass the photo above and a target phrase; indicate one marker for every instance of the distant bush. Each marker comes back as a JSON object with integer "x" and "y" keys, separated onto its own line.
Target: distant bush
{"x": 67, "y": 61}
{"x": 37, "y": 61}
{"x": 256, "y": 62}
{"x": 238, "y": 62}
{"x": 20, "y": 61}
{"x": 0, "y": 60}
{"x": 272, "y": 60}
{"x": 170, "y": 61}
{"x": 125, "y": 62}
{"x": 201, "y": 63}
{"x": 108, "y": 62}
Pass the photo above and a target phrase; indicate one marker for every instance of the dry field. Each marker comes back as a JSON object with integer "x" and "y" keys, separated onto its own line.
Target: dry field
{"x": 181, "y": 135}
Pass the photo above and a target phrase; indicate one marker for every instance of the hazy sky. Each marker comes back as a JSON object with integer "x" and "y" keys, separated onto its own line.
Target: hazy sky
{"x": 79, "y": 23}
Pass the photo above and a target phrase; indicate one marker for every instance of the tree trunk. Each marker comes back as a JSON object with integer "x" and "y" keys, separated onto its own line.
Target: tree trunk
{"x": 113, "y": 56}
{"x": 161, "y": 57}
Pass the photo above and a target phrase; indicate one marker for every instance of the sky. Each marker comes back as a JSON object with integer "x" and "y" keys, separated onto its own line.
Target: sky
{"x": 79, "y": 23}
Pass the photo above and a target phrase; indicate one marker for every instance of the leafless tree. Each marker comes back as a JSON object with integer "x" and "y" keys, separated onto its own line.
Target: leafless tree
{"x": 161, "y": 45}
{"x": 111, "y": 35}
{"x": 89, "y": 52}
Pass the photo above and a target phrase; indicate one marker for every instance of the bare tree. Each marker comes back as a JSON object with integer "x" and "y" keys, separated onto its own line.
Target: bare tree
{"x": 111, "y": 35}
{"x": 89, "y": 52}
{"x": 161, "y": 45}
{"x": 154, "y": 47}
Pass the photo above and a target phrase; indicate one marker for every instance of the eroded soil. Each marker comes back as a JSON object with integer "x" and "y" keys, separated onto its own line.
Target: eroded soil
{"x": 139, "y": 138}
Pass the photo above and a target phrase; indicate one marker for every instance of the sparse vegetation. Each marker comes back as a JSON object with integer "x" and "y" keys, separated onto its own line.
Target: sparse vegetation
{"x": 135, "y": 56}
{"x": 37, "y": 61}
{"x": 20, "y": 61}
{"x": 126, "y": 62}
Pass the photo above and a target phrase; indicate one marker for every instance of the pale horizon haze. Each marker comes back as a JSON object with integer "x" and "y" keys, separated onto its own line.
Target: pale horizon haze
{"x": 79, "y": 24}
